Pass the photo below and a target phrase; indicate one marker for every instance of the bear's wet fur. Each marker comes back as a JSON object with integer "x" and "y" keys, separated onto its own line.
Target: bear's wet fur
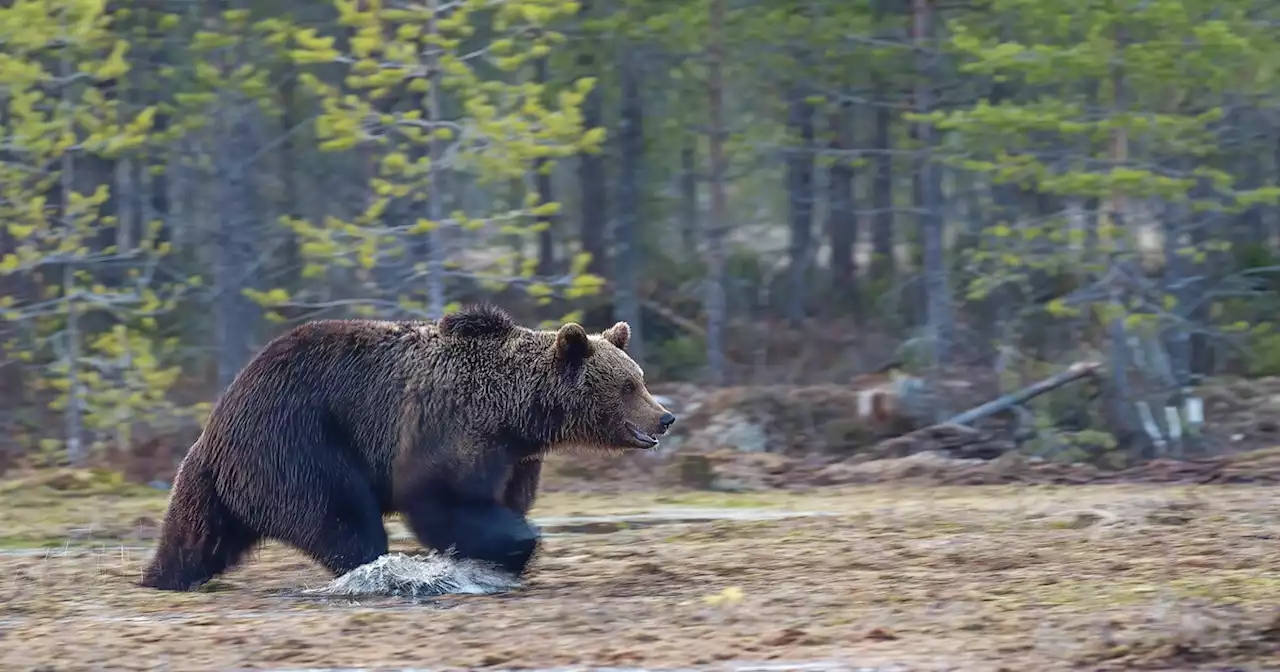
{"x": 339, "y": 422}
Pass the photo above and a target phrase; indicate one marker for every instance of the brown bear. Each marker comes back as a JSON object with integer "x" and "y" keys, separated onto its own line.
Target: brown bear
{"x": 338, "y": 422}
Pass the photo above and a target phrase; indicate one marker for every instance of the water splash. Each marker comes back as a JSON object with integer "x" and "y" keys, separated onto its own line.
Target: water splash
{"x": 429, "y": 575}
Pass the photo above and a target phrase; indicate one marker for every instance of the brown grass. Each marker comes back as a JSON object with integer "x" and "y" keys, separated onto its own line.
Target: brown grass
{"x": 973, "y": 578}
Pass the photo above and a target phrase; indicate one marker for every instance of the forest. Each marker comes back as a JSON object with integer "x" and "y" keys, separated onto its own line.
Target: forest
{"x": 770, "y": 193}
{"x": 966, "y": 308}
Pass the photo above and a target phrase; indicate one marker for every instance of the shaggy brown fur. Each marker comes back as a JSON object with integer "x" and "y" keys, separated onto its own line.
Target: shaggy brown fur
{"x": 338, "y": 422}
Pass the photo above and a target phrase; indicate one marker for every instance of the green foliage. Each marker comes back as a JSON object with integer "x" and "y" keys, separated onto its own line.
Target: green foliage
{"x": 1264, "y": 356}
{"x": 53, "y": 111}
{"x": 1128, "y": 102}
{"x": 679, "y": 358}
{"x": 503, "y": 124}
{"x": 1116, "y": 102}
{"x": 1059, "y": 50}
{"x": 1089, "y": 446}
{"x": 228, "y": 58}
{"x": 124, "y": 383}
{"x": 58, "y": 58}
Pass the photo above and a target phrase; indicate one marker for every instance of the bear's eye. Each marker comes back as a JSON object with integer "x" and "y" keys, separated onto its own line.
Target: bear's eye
{"x": 629, "y": 387}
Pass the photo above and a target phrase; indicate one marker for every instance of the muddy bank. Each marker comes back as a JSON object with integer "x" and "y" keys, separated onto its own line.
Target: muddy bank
{"x": 732, "y": 471}
{"x": 895, "y": 578}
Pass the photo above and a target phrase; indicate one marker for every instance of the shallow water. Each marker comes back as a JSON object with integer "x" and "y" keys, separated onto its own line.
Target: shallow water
{"x": 103, "y": 548}
{"x": 567, "y": 526}
{"x": 551, "y": 526}
{"x": 408, "y": 576}
{"x": 666, "y": 516}
{"x": 433, "y": 575}
{"x": 383, "y": 604}
{"x": 728, "y": 666}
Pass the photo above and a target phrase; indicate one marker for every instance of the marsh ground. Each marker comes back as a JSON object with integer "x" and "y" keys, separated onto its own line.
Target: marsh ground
{"x": 903, "y": 578}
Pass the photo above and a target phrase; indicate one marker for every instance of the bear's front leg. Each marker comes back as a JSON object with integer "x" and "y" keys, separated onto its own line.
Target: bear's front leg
{"x": 452, "y": 496}
{"x": 485, "y": 531}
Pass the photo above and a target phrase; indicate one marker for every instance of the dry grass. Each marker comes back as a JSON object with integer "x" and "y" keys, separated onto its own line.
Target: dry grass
{"x": 976, "y": 578}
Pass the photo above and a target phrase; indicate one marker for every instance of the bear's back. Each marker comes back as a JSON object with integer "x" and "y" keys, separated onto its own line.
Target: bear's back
{"x": 335, "y": 352}
{"x": 348, "y": 375}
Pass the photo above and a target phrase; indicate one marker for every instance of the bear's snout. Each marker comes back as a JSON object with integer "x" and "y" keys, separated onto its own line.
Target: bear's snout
{"x": 666, "y": 421}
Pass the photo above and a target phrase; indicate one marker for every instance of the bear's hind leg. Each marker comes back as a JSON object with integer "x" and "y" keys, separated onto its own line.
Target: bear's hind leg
{"x": 200, "y": 537}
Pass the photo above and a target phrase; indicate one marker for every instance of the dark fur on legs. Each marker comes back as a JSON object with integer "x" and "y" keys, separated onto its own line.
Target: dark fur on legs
{"x": 485, "y": 532}
{"x": 522, "y": 488}
{"x": 334, "y": 518}
{"x": 200, "y": 537}
{"x": 345, "y": 533}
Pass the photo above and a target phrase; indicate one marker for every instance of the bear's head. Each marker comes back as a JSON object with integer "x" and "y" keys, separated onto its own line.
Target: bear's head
{"x": 602, "y": 392}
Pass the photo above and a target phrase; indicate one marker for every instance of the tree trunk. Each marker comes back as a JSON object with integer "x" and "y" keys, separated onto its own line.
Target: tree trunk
{"x": 883, "y": 262}
{"x": 591, "y": 166}
{"x": 1123, "y": 413}
{"x": 542, "y": 182}
{"x": 435, "y": 192}
{"x": 1179, "y": 282}
{"x": 936, "y": 281}
{"x": 73, "y": 416}
{"x": 631, "y": 146}
{"x": 234, "y": 241}
{"x": 93, "y": 170}
{"x": 800, "y": 201}
{"x": 1202, "y": 361}
{"x": 160, "y": 183}
{"x": 842, "y": 221}
{"x": 689, "y": 196}
{"x": 717, "y": 221}
{"x": 129, "y": 236}
{"x": 290, "y": 254}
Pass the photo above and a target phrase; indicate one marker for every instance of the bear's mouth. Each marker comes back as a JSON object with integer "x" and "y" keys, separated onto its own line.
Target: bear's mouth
{"x": 641, "y": 439}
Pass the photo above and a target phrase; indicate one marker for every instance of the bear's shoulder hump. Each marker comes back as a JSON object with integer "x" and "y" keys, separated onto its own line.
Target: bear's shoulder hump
{"x": 477, "y": 321}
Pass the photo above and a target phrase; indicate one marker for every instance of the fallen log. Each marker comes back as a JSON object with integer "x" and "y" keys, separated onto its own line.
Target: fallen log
{"x": 1019, "y": 397}
{"x": 955, "y": 429}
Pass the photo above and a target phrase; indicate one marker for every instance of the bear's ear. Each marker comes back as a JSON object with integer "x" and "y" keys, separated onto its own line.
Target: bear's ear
{"x": 572, "y": 344}
{"x": 619, "y": 335}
